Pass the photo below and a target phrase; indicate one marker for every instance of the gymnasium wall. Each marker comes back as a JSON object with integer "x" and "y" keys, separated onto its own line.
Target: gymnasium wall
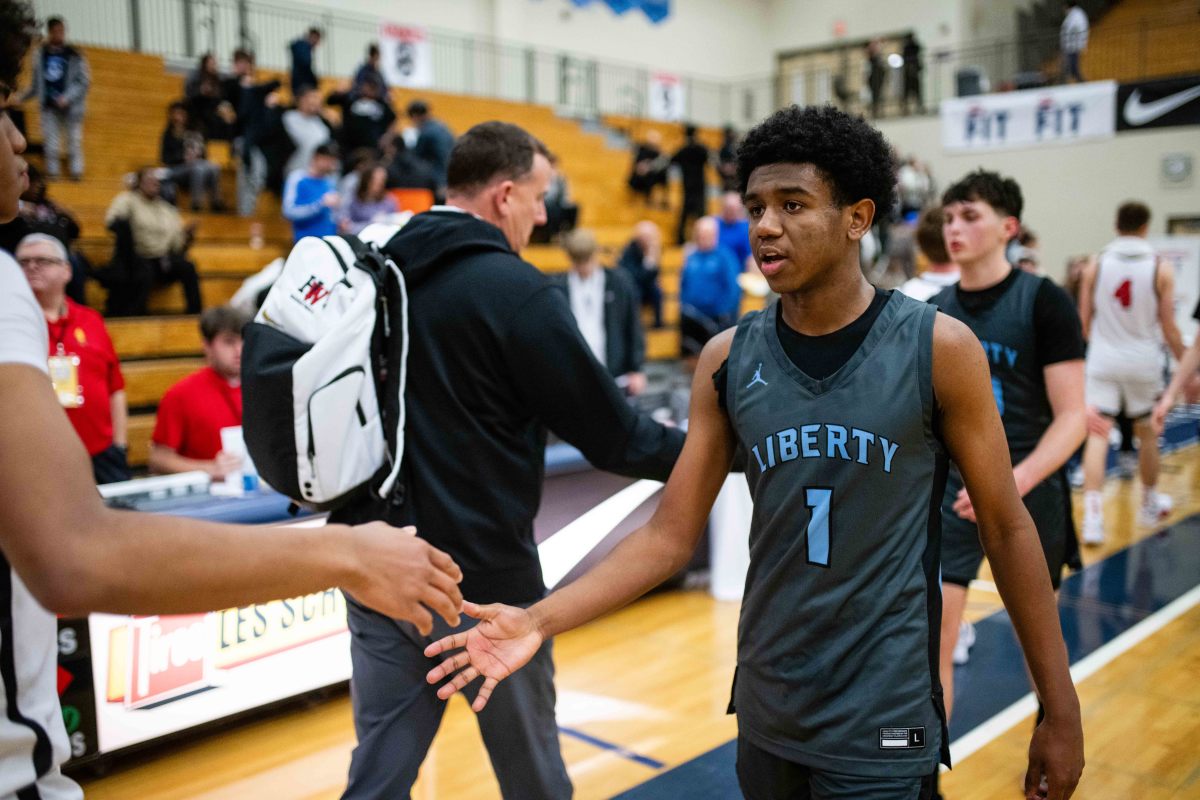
{"x": 1071, "y": 191}
{"x": 706, "y": 38}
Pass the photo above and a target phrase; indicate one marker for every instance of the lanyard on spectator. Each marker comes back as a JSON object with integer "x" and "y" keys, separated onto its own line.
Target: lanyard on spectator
{"x": 64, "y": 367}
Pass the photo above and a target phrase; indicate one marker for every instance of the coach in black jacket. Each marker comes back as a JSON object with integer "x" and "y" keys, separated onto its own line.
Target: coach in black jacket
{"x": 607, "y": 309}
{"x": 495, "y": 360}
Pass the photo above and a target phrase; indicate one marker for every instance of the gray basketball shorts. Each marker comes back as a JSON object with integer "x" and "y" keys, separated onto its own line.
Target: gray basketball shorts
{"x": 1050, "y": 506}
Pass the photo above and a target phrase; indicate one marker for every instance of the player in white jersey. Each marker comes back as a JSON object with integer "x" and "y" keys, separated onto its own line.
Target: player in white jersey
{"x": 1126, "y": 303}
{"x": 61, "y": 549}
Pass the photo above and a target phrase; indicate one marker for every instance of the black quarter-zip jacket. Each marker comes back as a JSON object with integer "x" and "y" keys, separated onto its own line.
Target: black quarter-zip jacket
{"x": 495, "y": 359}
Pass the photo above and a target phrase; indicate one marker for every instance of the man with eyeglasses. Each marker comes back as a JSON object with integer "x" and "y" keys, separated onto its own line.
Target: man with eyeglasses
{"x": 83, "y": 364}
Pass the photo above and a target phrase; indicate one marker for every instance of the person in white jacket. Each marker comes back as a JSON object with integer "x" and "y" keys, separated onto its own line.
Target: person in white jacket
{"x": 1072, "y": 39}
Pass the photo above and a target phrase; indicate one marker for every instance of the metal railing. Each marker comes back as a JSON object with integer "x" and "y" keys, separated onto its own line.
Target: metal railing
{"x": 577, "y": 85}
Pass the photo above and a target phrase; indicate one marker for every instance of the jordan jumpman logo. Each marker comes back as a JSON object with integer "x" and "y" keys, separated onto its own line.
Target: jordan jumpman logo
{"x": 758, "y": 378}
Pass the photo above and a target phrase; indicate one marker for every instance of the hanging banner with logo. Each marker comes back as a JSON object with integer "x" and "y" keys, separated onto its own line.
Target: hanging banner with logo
{"x": 666, "y": 100}
{"x": 1158, "y": 104}
{"x": 1030, "y": 118}
{"x": 406, "y": 55}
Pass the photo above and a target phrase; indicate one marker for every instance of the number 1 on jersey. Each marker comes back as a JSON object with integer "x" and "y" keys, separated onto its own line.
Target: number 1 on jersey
{"x": 818, "y": 500}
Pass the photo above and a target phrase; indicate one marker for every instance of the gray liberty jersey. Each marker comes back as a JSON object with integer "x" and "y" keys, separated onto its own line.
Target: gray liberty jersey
{"x": 838, "y": 638}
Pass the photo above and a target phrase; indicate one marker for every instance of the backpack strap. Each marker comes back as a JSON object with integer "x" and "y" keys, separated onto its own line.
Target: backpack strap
{"x": 341, "y": 261}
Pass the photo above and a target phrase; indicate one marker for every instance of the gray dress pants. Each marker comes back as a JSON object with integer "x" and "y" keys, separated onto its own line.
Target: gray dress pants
{"x": 396, "y": 714}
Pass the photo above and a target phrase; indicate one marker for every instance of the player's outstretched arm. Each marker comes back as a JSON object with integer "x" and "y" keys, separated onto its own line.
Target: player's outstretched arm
{"x": 507, "y": 637}
{"x": 974, "y": 436}
{"x": 76, "y": 555}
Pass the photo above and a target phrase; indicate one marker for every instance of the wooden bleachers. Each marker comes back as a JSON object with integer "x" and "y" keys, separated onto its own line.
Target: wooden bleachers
{"x": 1143, "y": 39}
{"x": 126, "y": 114}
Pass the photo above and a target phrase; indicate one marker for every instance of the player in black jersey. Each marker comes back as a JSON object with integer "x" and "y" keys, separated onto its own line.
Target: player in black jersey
{"x": 833, "y": 392}
{"x": 1031, "y": 334}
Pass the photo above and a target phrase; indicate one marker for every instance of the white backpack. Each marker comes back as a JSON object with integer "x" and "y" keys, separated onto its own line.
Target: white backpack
{"x": 324, "y": 371}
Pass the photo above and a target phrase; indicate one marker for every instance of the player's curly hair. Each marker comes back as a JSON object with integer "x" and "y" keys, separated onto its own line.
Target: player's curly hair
{"x": 854, "y": 158}
{"x": 17, "y": 25}
{"x": 999, "y": 192}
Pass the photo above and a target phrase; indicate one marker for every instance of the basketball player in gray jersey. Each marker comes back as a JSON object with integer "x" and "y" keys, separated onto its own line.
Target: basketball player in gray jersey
{"x": 847, "y": 402}
{"x": 1031, "y": 335}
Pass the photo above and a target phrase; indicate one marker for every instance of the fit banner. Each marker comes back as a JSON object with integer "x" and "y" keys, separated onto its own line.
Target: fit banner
{"x": 1058, "y": 114}
{"x": 1158, "y": 104}
{"x": 406, "y": 55}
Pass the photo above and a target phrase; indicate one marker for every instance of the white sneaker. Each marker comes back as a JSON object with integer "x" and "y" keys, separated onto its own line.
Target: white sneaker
{"x": 966, "y": 640}
{"x": 1155, "y": 509}
{"x": 1075, "y": 476}
{"x": 1093, "y": 531}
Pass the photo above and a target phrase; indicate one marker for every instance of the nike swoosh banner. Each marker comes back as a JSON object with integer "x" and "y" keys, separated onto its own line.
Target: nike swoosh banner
{"x": 1031, "y": 118}
{"x": 1158, "y": 104}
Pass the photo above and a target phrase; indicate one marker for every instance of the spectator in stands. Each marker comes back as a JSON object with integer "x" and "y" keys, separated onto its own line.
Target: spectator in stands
{"x": 303, "y": 74}
{"x": 83, "y": 365}
{"x": 940, "y": 271}
{"x": 641, "y": 259}
{"x": 183, "y": 153}
{"x": 152, "y": 245}
{"x": 370, "y": 202}
{"x": 709, "y": 294}
{"x": 913, "y": 65}
{"x": 405, "y": 170}
{"x": 1073, "y": 39}
{"x": 192, "y": 413}
{"x": 206, "y": 68}
{"x": 434, "y": 141}
{"x": 257, "y": 109}
{"x": 310, "y": 195}
{"x": 209, "y": 113}
{"x": 727, "y": 160}
{"x": 370, "y": 71}
{"x": 40, "y": 214}
{"x": 876, "y": 75}
{"x": 561, "y": 213}
{"x": 60, "y": 82}
{"x": 692, "y": 160}
{"x": 605, "y": 305}
{"x": 366, "y": 116}
{"x": 649, "y": 167}
{"x": 306, "y": 128}
{"x": 231, "y": 85}
{"x": 733, "y": 229}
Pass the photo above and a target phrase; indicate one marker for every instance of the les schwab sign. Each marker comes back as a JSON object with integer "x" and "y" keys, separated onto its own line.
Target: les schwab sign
{"x": 154, "y": 660}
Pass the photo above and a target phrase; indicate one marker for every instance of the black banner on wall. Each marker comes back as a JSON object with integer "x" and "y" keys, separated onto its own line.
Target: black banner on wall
{"x": 1158, "y": 104}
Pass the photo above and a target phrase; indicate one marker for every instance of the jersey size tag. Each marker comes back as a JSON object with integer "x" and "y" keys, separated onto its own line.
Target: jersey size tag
{"x": 64, "y": 375}
{"x": 901, "y": 738}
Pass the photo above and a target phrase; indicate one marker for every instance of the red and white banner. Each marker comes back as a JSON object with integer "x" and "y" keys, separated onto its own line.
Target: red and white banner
{"x": 666, "y": 99}
{"x": 406, "y": 55}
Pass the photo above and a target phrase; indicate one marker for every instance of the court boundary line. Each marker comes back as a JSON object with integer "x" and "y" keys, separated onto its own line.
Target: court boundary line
{"x": 983, "y": 734}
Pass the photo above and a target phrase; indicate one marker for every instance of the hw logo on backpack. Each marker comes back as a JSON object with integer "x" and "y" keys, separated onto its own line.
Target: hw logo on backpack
{"x": 311, "y": 292}
{"x": 323, "y": 372}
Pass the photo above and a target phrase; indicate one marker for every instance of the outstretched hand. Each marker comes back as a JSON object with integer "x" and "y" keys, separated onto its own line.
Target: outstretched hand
{"x": 503, "y": 642}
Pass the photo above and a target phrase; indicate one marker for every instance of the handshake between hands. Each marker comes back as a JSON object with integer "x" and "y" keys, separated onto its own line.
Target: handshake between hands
{"x": 406, "y": 578}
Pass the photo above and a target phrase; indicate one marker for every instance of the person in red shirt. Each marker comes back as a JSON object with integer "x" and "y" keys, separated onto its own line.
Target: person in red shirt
{"x": 187, "y": 433}
{"x": 83, "y": 364}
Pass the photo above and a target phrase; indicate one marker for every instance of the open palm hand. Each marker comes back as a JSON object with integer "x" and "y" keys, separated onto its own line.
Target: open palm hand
{"x": 503, "y": 642}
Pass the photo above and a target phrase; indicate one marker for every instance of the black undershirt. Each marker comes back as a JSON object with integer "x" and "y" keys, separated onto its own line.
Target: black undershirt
{"x": 818, "y": 357}
{"x": 1055, "y": 319}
